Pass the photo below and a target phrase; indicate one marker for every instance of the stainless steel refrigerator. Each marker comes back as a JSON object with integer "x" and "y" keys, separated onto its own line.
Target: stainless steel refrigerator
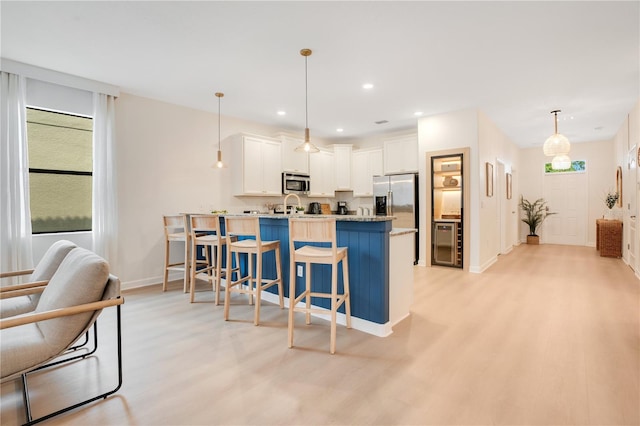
{"x": 397, "y": 195}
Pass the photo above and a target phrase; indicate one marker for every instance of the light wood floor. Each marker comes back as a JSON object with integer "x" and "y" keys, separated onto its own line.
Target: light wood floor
{"x": 549, "y": 335}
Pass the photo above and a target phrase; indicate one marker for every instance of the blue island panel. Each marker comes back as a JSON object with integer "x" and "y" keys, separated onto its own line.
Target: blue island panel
{"x": 368, "y": 244}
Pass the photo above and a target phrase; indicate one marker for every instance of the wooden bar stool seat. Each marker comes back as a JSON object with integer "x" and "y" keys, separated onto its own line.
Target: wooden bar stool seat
{"x": 303, "y": 230}
{"x": 253, "y": 246}
{"x": 205, "y": 231}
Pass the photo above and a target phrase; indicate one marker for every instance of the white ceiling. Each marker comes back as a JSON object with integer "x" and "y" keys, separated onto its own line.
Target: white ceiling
{"x": 516, "y": 61}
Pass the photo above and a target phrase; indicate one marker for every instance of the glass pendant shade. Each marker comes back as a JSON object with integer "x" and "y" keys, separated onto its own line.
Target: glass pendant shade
{"x": 219, "y": 164}
{"x": 561, "y": 162}
{"x": 307, "y": 146}
{"x": 556, "y": 144}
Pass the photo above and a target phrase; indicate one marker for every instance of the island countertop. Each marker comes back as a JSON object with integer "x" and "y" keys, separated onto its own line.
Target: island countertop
{"x": 338, "y": 217}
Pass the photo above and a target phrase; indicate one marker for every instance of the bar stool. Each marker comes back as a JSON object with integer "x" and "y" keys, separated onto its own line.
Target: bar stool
{"x": 317, "y": 231}
{"x": 247, "y": 226}
{"x": 204, "y": 230}
{"x": 174, "y": 230}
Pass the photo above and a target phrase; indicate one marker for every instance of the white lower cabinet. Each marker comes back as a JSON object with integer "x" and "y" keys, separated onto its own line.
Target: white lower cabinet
{"x": 257, "y": 166}
{"x": 365, "y": 165}
{"x": 322, "y": 174}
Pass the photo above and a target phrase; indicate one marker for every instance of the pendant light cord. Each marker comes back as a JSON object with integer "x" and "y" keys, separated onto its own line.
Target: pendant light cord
{"x": 218, "y": 123}
{"x": 306, "y": 95}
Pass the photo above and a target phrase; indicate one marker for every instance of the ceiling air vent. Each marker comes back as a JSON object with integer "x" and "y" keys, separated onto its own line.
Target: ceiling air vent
{"x": 382, "y": 122}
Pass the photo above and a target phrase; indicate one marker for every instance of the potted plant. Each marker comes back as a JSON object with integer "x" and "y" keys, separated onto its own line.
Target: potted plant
{"x": 610, "y": 200}
{"x": 535, "y": 214}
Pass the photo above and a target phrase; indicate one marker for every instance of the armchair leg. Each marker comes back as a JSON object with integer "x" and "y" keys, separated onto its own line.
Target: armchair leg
{"x": 25, "y": 390}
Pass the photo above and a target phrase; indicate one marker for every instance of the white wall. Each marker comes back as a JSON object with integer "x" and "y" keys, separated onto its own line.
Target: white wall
{"x": 165, "y": 158}
{"x": 473, "y": 129}
{"x": 452, "y": 130}
{"x": 496, "y": 148}
{"x": 626, "y": 143}
{"x": 601, "y": 176}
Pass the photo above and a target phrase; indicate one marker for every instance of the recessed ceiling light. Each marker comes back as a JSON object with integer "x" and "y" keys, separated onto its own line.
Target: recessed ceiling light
{"x": 417, "y": 113}
{"x": 367, "y": 86}
{"x": 381, "y": 121}
{"x": 282, "y": 112}
{"x": 339, "y": 130}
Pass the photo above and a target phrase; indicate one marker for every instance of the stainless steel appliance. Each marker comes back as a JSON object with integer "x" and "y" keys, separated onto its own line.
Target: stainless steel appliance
{"x": 342, "y": 207}
{"x": 314, "y": 208}
{"x": 295, "y": 183}
{"x": 444, "y": 245}
{"x": 397, "y": 195}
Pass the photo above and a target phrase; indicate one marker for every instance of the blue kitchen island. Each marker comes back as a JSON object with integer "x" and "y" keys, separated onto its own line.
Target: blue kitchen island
{"x": 370, "y": 267}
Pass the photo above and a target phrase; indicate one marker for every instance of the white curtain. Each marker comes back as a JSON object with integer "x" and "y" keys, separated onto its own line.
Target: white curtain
{"x": 15, "y": 217}
{"x": 104, "y": 225}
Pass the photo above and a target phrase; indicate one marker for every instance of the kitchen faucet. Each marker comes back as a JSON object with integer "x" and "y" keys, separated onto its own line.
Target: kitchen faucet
{"x": 285, "y": 202}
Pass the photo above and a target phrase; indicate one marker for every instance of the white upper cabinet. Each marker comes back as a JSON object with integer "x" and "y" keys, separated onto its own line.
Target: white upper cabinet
{"x": 365, "y": 165}
{"x": 401, "y": 155}
{"x": 293, "y": 161}
{"x": 257, "y": 166}
{"x": 322, "y": 173}
{"x": 343, "y": 167}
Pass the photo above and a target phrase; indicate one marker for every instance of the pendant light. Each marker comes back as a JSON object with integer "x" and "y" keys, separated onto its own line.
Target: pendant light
{"x": 561, "y": 162}
{"x": 219, "y": 164}
{"x": 556, "y": 144}
{"x": 306, "y": 146}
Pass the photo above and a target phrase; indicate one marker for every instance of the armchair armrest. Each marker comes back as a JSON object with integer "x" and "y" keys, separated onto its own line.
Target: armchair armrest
{"x": 22, "y": 289}
{"x": 57, "y": 313}
{"x": 16, "y": 273}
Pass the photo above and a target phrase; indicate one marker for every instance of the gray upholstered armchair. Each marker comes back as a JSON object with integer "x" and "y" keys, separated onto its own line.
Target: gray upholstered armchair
{"x": 68, "y": 306}
{"x": 27, "y": 301}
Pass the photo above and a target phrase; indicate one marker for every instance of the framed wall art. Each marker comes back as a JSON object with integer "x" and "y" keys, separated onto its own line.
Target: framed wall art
{"x": 489, "y": 173}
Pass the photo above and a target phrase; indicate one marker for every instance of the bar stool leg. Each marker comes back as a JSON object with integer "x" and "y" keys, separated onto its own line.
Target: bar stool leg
{"x": 292, "y": 298}
{"x": 191, "y": 268}
{"x": 217, "y": 252}
{"x": 227, "y": 287}
{"x": 279, "y": 276}
{"x": 250, "y": 274}
{"x": 334, "y": 305}
{"x": 256, "y": 315}
{"x": 307, "y": 292}
{"x": 347, "y": 292}
{"x": 186, "y": 263}
{"x": 166, "y": 264}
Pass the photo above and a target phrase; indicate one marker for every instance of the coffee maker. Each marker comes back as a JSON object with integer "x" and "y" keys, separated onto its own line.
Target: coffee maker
{"x": 342, "y": 207}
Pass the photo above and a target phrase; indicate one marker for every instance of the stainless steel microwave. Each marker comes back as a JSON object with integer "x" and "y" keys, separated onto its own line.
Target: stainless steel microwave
{"x": 295, "y": 183}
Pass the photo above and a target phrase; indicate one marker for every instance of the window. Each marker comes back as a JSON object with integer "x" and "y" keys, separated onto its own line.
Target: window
{"x": 60, "y": 171}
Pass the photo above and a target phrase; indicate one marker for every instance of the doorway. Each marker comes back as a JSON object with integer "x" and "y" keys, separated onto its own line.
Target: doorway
{"x": 566, "y": 196}
{"x": 447, "y": 204}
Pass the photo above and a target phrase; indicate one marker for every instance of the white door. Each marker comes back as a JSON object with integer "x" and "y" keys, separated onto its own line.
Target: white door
{"x": 630, "y": 191}
{"x": 501, "y": 194}
{"x": 566, "y": 196}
